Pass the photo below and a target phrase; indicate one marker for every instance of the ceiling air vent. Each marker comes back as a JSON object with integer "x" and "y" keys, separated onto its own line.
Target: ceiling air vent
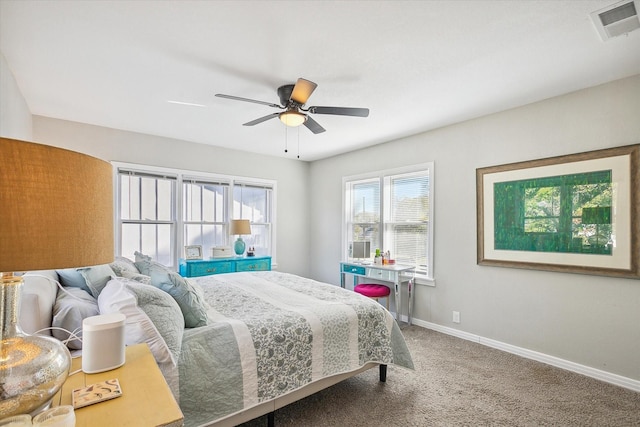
{"x": 618, "y": 19}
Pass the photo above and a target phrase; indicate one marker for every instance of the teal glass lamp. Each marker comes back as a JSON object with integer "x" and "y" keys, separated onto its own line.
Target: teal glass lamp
{"x": 56, "y": 211}
{"x": 240, "y": 227}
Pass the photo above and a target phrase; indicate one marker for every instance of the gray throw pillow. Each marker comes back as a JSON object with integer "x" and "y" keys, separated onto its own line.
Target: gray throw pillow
{"x": 138, "y": 277}
{"x": 121, "y": 265}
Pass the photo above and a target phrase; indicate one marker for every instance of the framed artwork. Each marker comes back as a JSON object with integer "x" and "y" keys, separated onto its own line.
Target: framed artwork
{"x": 193, "y": 252}
{"x": 577, "y": 213}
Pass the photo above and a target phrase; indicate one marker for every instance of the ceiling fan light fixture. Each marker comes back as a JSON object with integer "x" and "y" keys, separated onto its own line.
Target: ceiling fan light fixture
{"x": 292, "y": 118}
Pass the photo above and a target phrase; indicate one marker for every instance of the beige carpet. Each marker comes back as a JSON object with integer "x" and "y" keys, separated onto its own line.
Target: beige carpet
{"x": 460, "y": 383}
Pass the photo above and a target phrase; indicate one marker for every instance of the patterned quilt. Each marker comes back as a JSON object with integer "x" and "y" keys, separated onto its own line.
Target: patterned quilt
{"x": 271, "y": 333}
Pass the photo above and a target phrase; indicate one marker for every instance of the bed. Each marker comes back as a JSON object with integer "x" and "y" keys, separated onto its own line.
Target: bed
{"x": 268, "y": 338}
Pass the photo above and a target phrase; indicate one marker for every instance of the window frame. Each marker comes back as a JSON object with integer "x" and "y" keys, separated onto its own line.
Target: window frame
{"x": 382, "y": 176}
{"x": 185, "y": 176}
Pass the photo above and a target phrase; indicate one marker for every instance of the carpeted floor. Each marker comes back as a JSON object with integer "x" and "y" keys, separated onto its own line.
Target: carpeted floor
{"x": 460, "y": 383}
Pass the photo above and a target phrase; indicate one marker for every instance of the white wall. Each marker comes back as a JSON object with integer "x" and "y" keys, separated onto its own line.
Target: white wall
{"x": 589, "y": 320}
{"x": 15, "y": 117}
{"x": 116, "y": 145}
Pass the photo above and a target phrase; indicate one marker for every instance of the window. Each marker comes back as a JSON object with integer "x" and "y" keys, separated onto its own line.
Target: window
{"x": 147, "y": 220}
{"x": 159, "y": 211}
{"x": 392, "y": 210}
{"x": 205, "y": 217}
{"x": 253, "y": 202}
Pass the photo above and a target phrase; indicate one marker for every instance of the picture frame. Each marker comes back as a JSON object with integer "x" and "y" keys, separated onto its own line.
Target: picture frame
{"x": 193, "y": 252}
{"x": 576, "y": 213}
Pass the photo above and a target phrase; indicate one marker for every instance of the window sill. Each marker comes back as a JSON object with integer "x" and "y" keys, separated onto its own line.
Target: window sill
{"x": 426, "y": 282}
{"x": 420, "y": 280}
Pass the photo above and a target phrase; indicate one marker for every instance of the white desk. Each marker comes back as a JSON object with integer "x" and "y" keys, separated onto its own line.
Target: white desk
{"x": 389, "y": 273}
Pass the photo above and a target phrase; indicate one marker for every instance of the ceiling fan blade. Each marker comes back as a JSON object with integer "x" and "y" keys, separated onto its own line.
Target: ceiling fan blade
{"x": 237, "y": 98}
{"x": 302, "y": 91}
{"x": 313, "y": 126}
{"x": 340, "y": 111}
{"x": 261, "y": 119}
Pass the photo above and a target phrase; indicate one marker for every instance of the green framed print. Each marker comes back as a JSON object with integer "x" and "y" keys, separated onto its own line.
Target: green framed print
{"x": 576, "y": 213}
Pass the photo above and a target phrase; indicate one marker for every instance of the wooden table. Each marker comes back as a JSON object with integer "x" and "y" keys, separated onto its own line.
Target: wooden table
{"x": 146, "y": 398}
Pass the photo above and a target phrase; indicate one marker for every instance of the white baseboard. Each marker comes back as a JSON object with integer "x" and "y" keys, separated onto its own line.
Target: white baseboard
{"x": 598, "y": 374}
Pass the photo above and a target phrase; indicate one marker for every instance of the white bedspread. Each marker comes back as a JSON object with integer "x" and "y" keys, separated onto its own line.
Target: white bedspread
{"x": 271, "y": 333}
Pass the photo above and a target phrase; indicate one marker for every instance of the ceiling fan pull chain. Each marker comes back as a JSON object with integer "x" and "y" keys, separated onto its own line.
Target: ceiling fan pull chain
{"x": 298, "y": 142}
{"x": 286, "y": 142}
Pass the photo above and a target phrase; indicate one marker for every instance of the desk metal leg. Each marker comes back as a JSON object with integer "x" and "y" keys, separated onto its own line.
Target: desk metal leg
{"x": 398, "y": 301}
{"x": 410, "y": 290}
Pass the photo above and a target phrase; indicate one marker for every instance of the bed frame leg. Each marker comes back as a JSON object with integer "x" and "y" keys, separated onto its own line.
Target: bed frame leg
{"x": 383, "y": 373}
{"x": 271, "y": 419}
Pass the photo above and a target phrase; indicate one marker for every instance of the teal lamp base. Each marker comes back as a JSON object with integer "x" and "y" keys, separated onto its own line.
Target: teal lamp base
{"x": 239, "y": 246}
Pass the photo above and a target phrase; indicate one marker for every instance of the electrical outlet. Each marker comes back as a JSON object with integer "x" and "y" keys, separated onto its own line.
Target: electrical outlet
{"x": 456, "y": 317}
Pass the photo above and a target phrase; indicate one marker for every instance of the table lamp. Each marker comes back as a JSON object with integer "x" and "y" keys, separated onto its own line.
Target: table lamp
{"x": 240, "y": 227}
{"x": 56, "y": 211}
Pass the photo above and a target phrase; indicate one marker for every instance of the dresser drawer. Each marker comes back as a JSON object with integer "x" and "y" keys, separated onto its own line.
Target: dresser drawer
{"x": 353, "y": 269}
{"x": 387, "y": 275}
{"x": 208, "y": 268}
{"x": 253, "y": 265}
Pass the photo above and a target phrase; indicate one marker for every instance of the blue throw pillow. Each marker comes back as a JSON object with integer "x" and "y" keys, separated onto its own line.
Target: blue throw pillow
{"x": 191, "y": 302}
{"x": 71, "y": 277}
{"x": 96, "y": 277}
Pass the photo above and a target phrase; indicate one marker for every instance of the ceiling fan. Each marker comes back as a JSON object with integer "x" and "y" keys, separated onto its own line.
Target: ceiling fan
{"x": 292, "y": 101}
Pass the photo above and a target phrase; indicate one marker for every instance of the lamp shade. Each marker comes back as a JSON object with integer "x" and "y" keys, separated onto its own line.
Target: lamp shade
{"x": 56, "y": 208}
{"x": 56, "y": 211}
{"x": 240, "y": 226}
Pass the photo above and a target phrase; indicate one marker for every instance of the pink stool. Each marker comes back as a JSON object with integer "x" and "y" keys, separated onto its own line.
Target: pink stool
{"x": 373, "y": 291}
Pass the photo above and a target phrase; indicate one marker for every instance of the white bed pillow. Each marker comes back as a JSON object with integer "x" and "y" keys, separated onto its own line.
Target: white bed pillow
{"x": 153, "y": 317}
{"x": 72, "y": 306}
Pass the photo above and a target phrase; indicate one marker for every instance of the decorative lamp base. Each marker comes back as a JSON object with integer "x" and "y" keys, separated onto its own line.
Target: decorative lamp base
{"x": 32, "y": 367}
{"x": 239, "y": 246}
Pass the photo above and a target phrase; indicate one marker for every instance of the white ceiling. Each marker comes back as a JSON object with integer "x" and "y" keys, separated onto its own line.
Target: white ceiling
{"x": 417, "y": 65}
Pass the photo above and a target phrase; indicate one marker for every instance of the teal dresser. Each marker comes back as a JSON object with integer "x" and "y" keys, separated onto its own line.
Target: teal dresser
{"x": 206, "y": 267}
